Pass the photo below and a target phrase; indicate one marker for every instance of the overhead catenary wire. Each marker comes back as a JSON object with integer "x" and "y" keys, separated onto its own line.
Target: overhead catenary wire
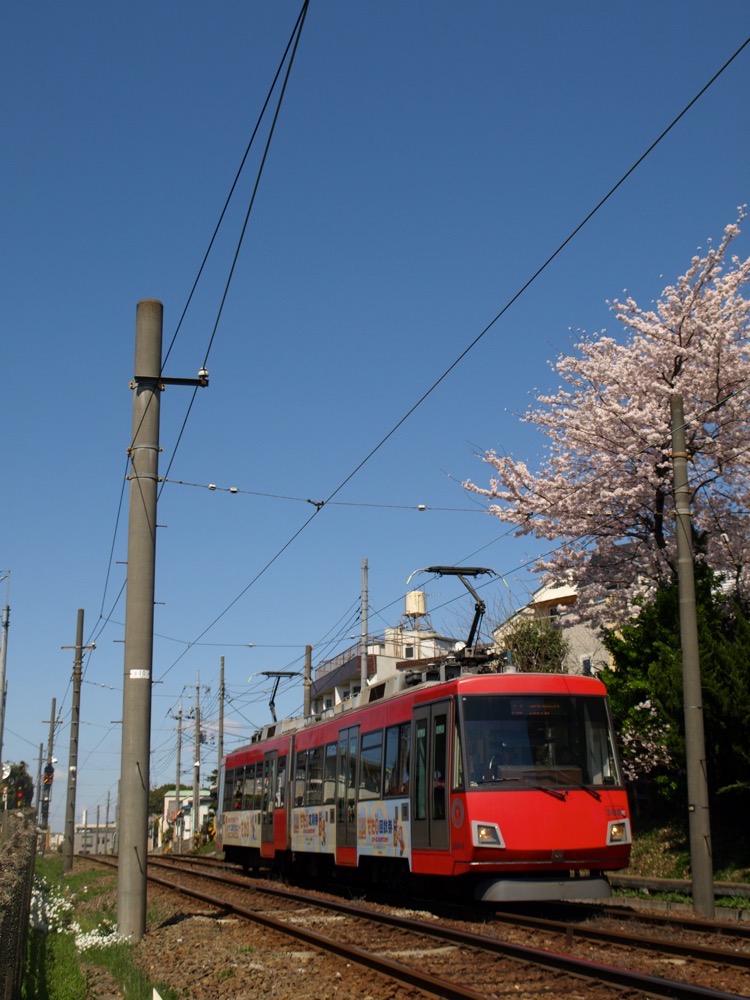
{"x": 292, "y": 42}
{"x": 470, "y": 347}
{"x": 514, "y": 298}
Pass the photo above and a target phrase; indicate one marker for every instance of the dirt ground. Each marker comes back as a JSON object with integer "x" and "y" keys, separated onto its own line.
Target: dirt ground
{"x": 201, "y": 954}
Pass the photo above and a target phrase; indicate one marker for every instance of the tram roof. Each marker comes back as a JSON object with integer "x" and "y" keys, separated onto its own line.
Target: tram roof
{"x": 381, "y": 711}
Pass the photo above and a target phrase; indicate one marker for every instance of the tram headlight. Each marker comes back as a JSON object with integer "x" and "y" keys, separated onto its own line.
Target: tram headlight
{"x": 486, "y": 835}
{"x": 618, "y": 831}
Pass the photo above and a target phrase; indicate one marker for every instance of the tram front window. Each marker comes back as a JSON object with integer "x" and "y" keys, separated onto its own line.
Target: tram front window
{"x": 517, "y": 740}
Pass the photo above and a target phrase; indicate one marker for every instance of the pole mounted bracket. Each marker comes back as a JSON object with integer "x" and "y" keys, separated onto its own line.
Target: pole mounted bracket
{"x": 201, "y": 380}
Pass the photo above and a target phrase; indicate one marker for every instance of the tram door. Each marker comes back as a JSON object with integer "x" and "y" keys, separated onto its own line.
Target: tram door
{"x": 430, "y": 776}
{"x": 346, "y": 788}
{"x": 268, "y": 792}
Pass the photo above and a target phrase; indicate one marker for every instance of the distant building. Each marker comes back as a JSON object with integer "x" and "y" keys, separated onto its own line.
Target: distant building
{"x": 180, "y": 823}
{"x": 94, "y": 838}
{"x": 586, "y": 653}
{"x": 407, "y": 644}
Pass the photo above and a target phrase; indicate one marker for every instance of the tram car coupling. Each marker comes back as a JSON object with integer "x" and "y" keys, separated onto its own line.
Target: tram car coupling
{"x": 502, "y": 786}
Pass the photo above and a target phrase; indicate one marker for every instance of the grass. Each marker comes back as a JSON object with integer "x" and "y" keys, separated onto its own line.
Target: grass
{"x": 79, "y": 938}
{"x": 662, "y": 850}
{"x": 53, "y": 971}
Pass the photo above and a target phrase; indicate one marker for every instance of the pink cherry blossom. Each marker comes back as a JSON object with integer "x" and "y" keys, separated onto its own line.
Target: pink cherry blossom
{"x": 603, "y": 490}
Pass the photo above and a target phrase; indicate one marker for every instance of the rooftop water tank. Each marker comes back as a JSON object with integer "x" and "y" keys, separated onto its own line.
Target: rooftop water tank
{"x": 416, "y": 603}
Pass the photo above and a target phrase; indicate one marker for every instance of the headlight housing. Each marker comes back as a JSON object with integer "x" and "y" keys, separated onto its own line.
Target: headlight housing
{"x": 486, "y": 834}
{"x": 618, "y": 831}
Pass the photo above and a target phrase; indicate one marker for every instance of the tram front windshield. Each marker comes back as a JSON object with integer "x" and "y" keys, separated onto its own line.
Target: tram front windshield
{"x": 517, "y": 740}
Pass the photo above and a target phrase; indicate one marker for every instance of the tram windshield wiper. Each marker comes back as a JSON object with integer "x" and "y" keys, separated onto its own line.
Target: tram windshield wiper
{"x": 527, "y": 782}
{"x": 555, "y": 792}
{"x": 565, "y": 779}
{"x": 589, "y": 789}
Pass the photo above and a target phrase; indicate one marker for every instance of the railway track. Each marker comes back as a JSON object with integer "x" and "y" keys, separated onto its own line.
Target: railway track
{"x": 451, "y": 961}
{"x": 591, "y": 921}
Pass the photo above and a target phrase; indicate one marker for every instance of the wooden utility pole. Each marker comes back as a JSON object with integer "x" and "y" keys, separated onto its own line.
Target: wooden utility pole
{"x": 695, "y": 748}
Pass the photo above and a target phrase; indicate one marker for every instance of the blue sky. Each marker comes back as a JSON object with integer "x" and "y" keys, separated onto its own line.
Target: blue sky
{"x": 427, "y": 159}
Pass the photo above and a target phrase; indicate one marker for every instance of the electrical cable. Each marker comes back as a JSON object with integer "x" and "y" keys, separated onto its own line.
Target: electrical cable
{"x": 293, "y": 40}
{"x": 526, "y": 285}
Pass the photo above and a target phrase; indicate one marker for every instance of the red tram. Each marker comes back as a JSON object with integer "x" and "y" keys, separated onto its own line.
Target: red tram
{"x": 506, "y": 784}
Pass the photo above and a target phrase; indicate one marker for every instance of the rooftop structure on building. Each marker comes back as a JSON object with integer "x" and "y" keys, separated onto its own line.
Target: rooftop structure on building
{"x": 409, "y": 653}
{"x": 586, "y": 653}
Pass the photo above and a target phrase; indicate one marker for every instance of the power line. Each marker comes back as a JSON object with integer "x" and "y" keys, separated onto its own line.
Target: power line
{"x": 293, "y": 40}
{"x": 213, "y": 488}
{"x": 527, "y": 284}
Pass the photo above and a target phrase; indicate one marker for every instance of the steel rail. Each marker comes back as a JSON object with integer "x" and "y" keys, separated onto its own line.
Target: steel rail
{"x": 571, "y": 931}
{"x": 671, "y": 918}
{"x": 655, "y": 986}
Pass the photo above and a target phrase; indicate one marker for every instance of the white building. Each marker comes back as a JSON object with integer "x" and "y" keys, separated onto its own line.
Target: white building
{"x": 94, "y": 838}
{"x": 182, "y": 820}
{"x": 586, "y": 653}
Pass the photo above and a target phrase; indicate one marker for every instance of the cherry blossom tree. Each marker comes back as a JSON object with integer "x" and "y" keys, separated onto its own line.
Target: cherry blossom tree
{"x": 643, "y": 742}
{"x": 603, "y": 489}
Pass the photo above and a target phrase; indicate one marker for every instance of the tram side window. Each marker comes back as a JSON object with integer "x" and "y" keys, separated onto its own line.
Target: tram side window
{"x": 601, "y": 762}
{"x": 314, "y": 782}
{"x": 397, "y": 759}
{"x": 264, "y": 778}
{"x": 439, "y": 750}
{"x": 233, "y": 789}
{"x": 300, "y": 771}
{"x": 420, "y": 769}
{"x": 248, "y": 788}
{"x": 341, "y": 794}
{"x": 457, "y": 779}
{"x": 371, "y": 766}
{"x": 329, "y": 775}
{"x": 257, "y": 801}
{"x": 281, "y": 783}
{"x": 239, "y": 777}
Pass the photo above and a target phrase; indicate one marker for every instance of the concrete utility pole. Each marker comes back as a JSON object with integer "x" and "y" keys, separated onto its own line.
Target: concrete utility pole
{"x": 177, "y": 831}
{"x": 139, "y": 619}
{"x": 363, "y": 641}
{"x": 139, "y": 624}
{"x": 38, "y": 811}
{"x": 75, "y": 716}
{"x": 197, "y": 768}
{"x": 3, "y": 658}
{"x": 221, "y": 727}
{"x": 695, "y": 749}
{"x": 307, "y": 684}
